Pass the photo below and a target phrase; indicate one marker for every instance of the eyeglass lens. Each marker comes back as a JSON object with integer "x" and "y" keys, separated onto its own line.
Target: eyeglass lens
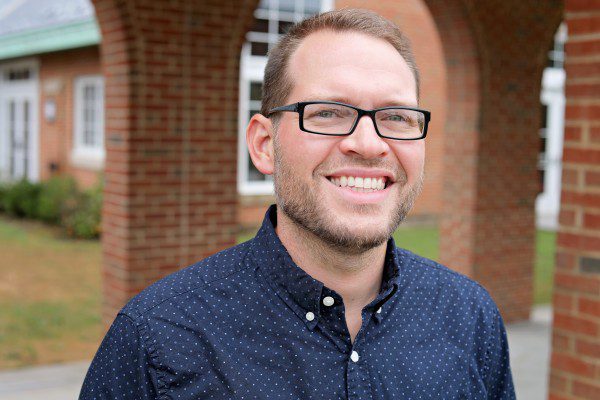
{"x": 339, "y": 119}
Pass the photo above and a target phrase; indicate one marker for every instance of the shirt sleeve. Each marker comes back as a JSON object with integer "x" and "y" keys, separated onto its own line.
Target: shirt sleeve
{"x": 121, "y": 367}
{"x": 499, "y": 383}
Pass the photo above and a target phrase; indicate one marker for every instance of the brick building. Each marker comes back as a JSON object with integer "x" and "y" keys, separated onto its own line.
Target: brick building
{"x": 52, "y": 50}
{"x": 172, "y": 94}
{"x": 51, "y": 91}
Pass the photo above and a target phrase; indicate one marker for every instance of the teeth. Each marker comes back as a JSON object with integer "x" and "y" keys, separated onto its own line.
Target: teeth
{"x": 359, "y": 184}
{"x": 367, "y": 183}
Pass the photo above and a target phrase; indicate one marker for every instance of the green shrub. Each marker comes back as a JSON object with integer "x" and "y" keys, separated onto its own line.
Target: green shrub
{"x": 21, "y": 199}
{"x": 82, "y": 213}
{"x": 3, "y": 190}
{"x": 53, "y": 195}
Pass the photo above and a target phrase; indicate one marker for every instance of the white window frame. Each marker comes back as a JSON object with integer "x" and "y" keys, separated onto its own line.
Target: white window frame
{"x": 252, "y": 70}
{"x": 552, "y": 95}
{"x": 83, "y": 155}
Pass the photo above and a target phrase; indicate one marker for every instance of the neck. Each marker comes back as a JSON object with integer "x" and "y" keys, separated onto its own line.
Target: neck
{"x": 356, "y": 277}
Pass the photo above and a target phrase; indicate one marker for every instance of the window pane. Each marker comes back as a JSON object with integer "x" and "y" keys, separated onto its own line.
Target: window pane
{"x": 25, "y": 137}
{"x": 284, "y": 26}
{"x": 17, "y": 74}
{"x": 312, "y": 6}
{"x": 260, "y": 25}
{"x": 12, "y": 121}
{"x": 91, "y": 101}
{"x": 259, "y": 49}
{"x": 255, "y": 91}
{"x": 544, "y": 116}
{"x": 287, "y": 5}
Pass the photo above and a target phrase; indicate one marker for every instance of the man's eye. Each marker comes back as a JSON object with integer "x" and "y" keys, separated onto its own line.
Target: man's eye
{"x": 396, "y": 117}
{"x": 325, "y": 114}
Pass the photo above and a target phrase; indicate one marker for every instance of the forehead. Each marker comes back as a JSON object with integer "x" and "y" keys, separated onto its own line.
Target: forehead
{"x": 351, "y": 66}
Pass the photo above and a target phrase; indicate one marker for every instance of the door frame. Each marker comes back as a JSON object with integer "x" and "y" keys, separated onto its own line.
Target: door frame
{"x": 18, "y": 90}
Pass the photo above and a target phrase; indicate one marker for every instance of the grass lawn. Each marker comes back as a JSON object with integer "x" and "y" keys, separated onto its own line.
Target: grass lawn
{"x": 49, "y": 295}
{"x": 543, "y": 278}
{"x": 50, "y": 289}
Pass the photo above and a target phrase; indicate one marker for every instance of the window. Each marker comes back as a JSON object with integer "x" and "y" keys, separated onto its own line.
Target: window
{"x": 18, "y": 74}
{"x": 541, "y": 166}
{"x": 556, "y": 54}
{"x": 88, "y": 138}
{"x": 272, "y": 19}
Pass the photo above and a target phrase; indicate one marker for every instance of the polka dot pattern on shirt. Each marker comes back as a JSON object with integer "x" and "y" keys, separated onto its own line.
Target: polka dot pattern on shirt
{"x": 247, "y": 323}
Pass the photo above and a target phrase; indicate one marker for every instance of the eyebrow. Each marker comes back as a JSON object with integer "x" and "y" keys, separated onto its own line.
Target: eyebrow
{"x": 340, "y": 99}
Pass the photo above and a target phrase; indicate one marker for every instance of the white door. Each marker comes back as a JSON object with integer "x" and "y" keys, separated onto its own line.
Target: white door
{"x": 19, "y": 133}
{"x": 18, "y": 121}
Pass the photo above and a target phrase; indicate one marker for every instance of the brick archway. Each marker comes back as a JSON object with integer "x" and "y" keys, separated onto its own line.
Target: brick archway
{"x": 171, "y": 72}
{"x": 171, "y": 98}
{"x": 495, "y": 54}
{"x": 171, "y": 86}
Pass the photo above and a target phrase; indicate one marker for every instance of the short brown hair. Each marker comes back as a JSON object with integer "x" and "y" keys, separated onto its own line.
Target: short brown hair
{"x": 277, "y": 84}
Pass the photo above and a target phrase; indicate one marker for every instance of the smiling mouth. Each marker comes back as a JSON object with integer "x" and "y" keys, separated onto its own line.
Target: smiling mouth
{"x": 360, "y": 184}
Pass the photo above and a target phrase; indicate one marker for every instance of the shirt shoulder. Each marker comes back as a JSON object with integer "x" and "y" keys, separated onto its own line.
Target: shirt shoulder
{"x": 216, "y": 267}
{"x": 426, "y": 276}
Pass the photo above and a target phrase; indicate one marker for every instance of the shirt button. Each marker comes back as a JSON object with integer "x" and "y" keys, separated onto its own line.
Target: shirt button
{"x": 379, "y": 310}
{"x": 310, "y": 316}
{"x": 354, "y": 356}
{"x": 328, "y": 301}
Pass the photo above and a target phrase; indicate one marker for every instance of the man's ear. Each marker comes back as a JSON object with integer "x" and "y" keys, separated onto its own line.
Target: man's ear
{"x": 259, "y": 137}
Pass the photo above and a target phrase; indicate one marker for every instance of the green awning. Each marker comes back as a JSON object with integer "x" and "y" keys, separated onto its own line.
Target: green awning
{"x": 49, "y": 39}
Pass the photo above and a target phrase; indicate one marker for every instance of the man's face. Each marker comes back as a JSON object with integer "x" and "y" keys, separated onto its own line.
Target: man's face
{"x": 369, "y": 73}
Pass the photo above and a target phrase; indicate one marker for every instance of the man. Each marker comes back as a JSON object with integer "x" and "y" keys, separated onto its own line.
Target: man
{"x": 321, "y": 304}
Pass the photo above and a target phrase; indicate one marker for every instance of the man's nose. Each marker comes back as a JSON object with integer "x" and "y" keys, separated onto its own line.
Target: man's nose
{"x": 364, "y": 141}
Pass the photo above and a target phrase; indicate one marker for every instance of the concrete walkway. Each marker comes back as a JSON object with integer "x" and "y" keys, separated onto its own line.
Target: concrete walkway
{"x": 529, "y": 344}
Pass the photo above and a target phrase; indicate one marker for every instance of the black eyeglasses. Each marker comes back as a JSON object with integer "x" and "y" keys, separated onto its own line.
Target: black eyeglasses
{"x": 338, "y": 119}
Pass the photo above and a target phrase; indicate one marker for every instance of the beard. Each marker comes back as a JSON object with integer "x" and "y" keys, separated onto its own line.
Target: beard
{"x": 304, "y": 205}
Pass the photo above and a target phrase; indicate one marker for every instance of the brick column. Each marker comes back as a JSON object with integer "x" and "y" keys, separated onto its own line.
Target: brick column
{"x": 575, "y": 365}
{"x": 495, "y": 53}
{"x": 171, "y": 72}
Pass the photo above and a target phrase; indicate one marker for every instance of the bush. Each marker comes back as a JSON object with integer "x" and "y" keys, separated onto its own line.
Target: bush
{"x": 82, "y": 212}
{"x": 53, "y": 196}
{"x": 3, "y": 190}
{"x": 21, "y": 199}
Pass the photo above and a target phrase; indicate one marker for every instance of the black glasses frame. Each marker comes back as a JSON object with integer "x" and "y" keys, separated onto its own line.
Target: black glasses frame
{"x": 299, "y": 108}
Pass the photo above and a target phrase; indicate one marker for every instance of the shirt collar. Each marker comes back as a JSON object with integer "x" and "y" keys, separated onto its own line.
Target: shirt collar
{"x": 299, "y": 290}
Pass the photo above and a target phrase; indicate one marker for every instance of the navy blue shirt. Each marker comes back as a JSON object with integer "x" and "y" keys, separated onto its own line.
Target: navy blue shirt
{"x": 248, "y": 323}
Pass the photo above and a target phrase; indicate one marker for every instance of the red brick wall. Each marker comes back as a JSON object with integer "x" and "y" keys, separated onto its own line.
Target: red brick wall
{"x": 495, "y": 52}
{"x": 171, "y": 76}
{"x": 163, "y": 118}
{"x": 58, "y": 71}
{"x": 575, "y": 363}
